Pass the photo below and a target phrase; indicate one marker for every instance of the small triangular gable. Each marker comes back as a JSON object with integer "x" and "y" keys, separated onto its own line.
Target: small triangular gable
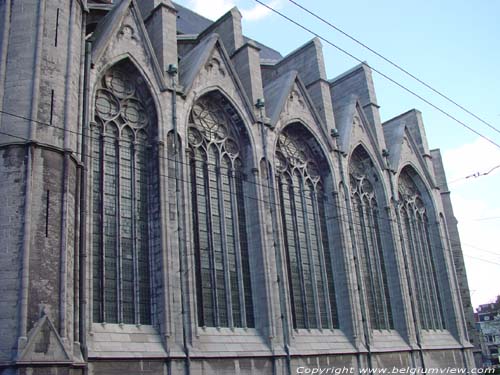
{"x": 362, "y": 132}
{"x": 354, "y": 128}
{"x": 122, "y": 33}
{"x": 44, "y": 344}
{"x": 287, "y": 99}
{"x": 208, "y": 66}
{"x": 410, "y": 152}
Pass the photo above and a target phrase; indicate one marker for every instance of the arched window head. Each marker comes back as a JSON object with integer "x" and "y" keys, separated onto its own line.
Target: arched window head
{"x": 301, "y": 170}
{"x": 367, "y": 226}
{"x": 123, "y": 190}
{"x": 217, "y": 180}
{"x": 420, "y": 248}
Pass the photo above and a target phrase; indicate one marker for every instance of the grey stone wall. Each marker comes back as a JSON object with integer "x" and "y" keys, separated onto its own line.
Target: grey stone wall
{"x": 41, "y": 78}
{"x": 12, "y": 189}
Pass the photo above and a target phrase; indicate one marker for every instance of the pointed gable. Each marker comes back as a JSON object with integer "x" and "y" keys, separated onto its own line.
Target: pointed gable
{"x": 358, "y": 82}
{"x": 403, "y": 148}
{"x": 208, "y": 65}
{"x": 122, "y": 32}
{"x": 287, "y": 99}
{"x": 191, "y": 64}
{"x": 394, "y": 134}
{"x": 44, "y": 344}
{"x": 354, "y": 127}
{"x": 276, "y": 94}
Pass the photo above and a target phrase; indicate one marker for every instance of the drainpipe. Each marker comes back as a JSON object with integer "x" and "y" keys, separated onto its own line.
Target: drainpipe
{"x": 260, "y": 104}
{"x": 172, "y": 72}
{"x": 385, "y": 154}
{"x": 366, "y": 331}
{"x": 83, "y": 203}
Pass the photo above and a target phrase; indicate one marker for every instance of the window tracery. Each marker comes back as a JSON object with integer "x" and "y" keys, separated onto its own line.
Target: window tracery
{"x": 302, "y": 206}
{"x": 120, "y": 179}
{"x": 368, "y": 239}
{"x": 419, "y": 246}
{"x": 224, "y": 295}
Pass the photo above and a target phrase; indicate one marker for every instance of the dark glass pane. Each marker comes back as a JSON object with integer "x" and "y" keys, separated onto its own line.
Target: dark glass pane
{"x": 142, "y": 230}
{"x": 328, "y": 259}
{"x": 206, "y": 316}
{"x": 216, "y": 232}
{"x": 96, "y": 227}
{"x": 245, "y": 261}
{"x": 376, "y": 227}
{"x": 318, "y": 269}
{"x": 110, "y": 231}
{"x": 121, "y": 279}
{"x": 126, "y": 228}
{"x": 291, "y": 246}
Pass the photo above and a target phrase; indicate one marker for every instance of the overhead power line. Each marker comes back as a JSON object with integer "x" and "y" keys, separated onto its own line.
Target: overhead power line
{"x": 397, "y": 66}
{"x": 476, "y": 174}
{"x": 342, "y": 217}
{"x": 400, "y": 85}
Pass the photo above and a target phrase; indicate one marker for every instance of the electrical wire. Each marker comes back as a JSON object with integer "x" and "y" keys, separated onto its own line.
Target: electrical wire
{"x": 475, "y": 175}
{"x": 341, "y": 217}
{"x": 397, "y": 66}
{"x": 463, "y": 124}
{"x": 111, "y": 142}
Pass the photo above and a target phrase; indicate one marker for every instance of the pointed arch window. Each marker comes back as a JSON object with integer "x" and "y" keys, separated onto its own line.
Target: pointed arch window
{"x": 223, "y": 285}
{"x": 420, "y": 248}
{"x": 368, "y": 238}
{"x": 122, "y": 186}
{"x": 302, "y": 206}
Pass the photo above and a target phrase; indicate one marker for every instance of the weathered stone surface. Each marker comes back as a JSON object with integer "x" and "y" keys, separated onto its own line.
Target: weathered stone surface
{"x": 49, "y": 210}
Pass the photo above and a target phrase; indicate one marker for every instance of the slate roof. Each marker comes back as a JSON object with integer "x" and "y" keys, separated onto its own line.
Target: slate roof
{"x": 276, "y": 93}
{"x": 188, "y": 22}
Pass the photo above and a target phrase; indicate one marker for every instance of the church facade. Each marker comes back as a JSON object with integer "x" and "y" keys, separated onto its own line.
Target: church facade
{"x": 179, "y": 199}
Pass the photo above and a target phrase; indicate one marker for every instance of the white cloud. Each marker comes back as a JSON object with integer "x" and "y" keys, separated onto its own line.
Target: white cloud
{"x": 475, "y": 202}
{"x": 479, "y": 156}
{"x": 214, "y": 9}
{"x": 259, "y": 12}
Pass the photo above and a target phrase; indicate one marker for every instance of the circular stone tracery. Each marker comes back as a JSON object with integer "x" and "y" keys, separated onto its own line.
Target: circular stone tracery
{"x": 210, "y": 120}
{"x": 120, "y": 83}
{"x": 117, "y": 99}
{"x": 294, "y": 153}
{"x": 209, "y": 124}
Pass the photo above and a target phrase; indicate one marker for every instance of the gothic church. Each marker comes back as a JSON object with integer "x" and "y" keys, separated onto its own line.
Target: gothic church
{"x": 176, "y": 198}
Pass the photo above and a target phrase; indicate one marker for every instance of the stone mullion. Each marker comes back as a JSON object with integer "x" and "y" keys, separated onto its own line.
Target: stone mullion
{"x": 380, "y": 278}
{"x": 439, "y": 305}
{"x": 321, "y": 250}
{"x": 298, "y": 253}
{"x": 119, "y": 288}
{"x": 424, "y": 290}
{"x": 431, "y": 273}
{"x": 286, "y": 239}
{"x": 211, "y": 257}
{"x": 195, "y": 196}
{"x": 413, "y": 272}
{"x": 225, "y": 260}
{"x": 237, "y": 248}
{"x": 364, "y": 230}
{"x": 102, "y": 253}
{"x": 305, "y": 218}
{"x": 420, "y": 272}
{"x": 112, "y": 142}
{"x": 377, "y": 246}
{"x": 426, "y": 269}
{"x": 135, "y": 258}
{"x": 446, "y": 247}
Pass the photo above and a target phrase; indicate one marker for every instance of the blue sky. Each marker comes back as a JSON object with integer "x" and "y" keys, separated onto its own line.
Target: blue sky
{"x": 452, "y": 45}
